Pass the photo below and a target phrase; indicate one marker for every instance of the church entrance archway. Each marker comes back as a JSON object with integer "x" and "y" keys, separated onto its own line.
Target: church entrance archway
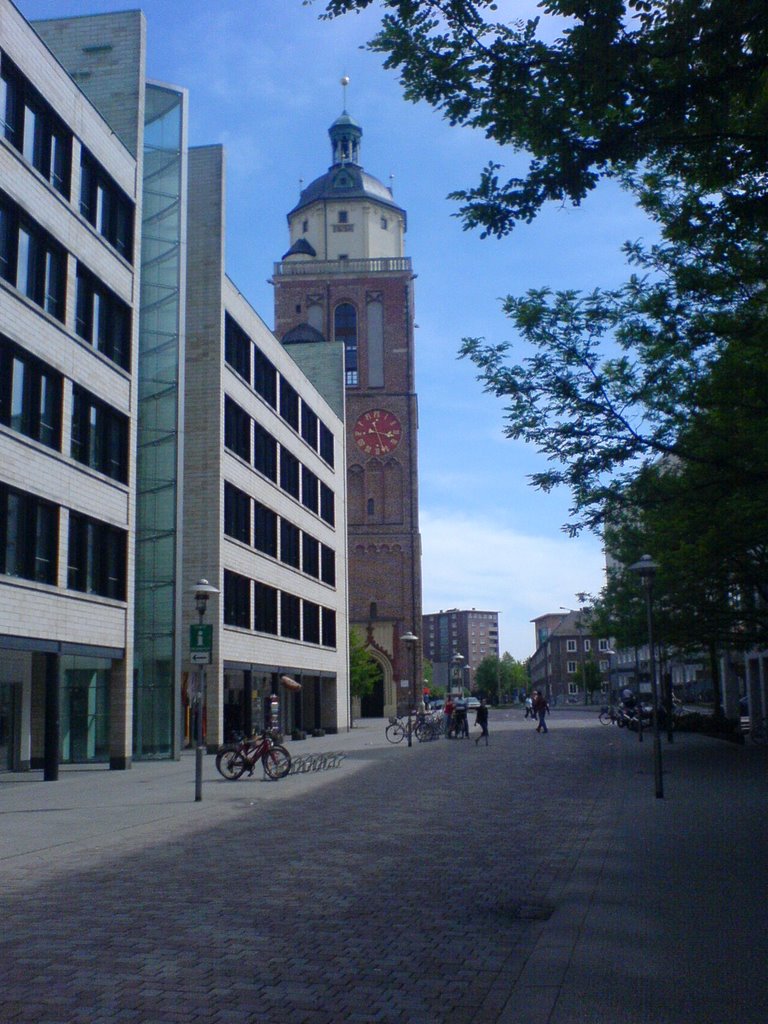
{"x": 372, "y": 705}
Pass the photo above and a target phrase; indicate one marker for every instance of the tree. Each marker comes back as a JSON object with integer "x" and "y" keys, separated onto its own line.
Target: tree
{"x": 497, "y": 676}
{"x": 588, "y": 677}
{"x": 675, "y": 83}
{"x": 363, "y": 667}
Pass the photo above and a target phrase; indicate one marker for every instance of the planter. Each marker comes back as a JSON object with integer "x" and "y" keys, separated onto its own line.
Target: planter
{"x": 298, "y": 734}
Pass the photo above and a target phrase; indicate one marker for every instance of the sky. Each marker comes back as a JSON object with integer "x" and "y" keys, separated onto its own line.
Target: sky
{"x": 264, "y": 80}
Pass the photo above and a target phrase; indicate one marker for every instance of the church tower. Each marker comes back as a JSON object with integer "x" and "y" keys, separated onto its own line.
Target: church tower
{"x": 345, "y": 279}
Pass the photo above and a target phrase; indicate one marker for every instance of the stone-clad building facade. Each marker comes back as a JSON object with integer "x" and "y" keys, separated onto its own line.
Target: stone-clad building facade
{"x": 345, "y": 279}
{"x": 137, "y": 456}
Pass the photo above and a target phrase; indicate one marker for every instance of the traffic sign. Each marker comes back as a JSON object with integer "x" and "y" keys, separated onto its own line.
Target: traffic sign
{"x": 200, "y": 657}
{"x": 201, "y": 638}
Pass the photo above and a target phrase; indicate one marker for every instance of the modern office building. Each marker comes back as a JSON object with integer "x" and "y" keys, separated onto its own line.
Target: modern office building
{"x": 70, "y": 228}
{"x": 137, "y": 456}
{"x": 345, "y": 279}
{"x": 471, "y": 633}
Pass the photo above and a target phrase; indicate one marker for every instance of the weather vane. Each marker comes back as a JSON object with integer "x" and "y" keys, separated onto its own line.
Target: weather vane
{"x": 344, "y": 84}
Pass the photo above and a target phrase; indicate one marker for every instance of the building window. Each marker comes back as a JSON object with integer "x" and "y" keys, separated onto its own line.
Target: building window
{"x": 572, "y": 689}
{"x": 29, "y": 536}
{"x": 237, "y": 429}
{"x": 602, "y": 645}
{"x": 327, "y": 505}
{"x": 305, "y": 226}
{"x": 384, "y": 223}
{"x": 571, "y": 667}
{"x": 309, "y": 424}
{"x": 327, "y": 565}
{"x": 310, "y": 555}
{"x": 32, "y": 127}
{"x": 570, "y": 645}
{"x": 30, "y": 395}
{"x": 97, "y": 563}
{"x": 31, "y": 260}
{"x": 264, "y": 608}
{"x": 343, "y": 217}
{"x": 289, "y": 472}
{"x": 328, "y": 627}
{"x": 290, "y": 616}
{"x": 310, "y": 489}
{"x": 264, "y": 452}
{"x": 326, "y": 444}
{"x": 311, "y": 624}
{"x": 237, "y": 513}
{"x": 237, "y": 600}
{"x": 99, "y": 435}
{"x": 289, "y": 403}
{"x": 345, "y": 331}
{"x": 587, "y": 645}
{"x": 289, "y": 544}
{"x": 102, "y": 319}
{"x": 264, "y": 377}
{"x": 264, "y": 529}
{"x": 603, "y": 665}
{"x": 106, "y": 207}
{"x": 237, "y": 348}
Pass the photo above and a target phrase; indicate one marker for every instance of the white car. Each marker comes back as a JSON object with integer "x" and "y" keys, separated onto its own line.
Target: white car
{"x": 472, "y": 703}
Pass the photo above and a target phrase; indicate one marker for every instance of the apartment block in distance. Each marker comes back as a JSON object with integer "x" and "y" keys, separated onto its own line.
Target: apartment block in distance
{"x": 472, "y": 634}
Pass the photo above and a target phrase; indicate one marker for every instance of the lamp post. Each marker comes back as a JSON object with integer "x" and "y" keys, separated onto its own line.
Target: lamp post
{"x": 646, "y": 570}
{"x": 202, "y": 591}
{"x": 410, "y": 640}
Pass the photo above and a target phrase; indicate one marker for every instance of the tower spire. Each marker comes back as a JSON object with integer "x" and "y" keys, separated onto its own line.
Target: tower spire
{"x": 345, "y": 133}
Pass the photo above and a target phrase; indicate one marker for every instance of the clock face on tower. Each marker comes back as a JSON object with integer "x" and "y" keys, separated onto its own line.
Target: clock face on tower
{"x": 377, "y": 432}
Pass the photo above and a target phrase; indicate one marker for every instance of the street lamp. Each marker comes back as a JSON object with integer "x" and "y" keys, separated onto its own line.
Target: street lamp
{"x": 646, "y": 570}
{"x": 410, "y": 640}
{"x": 458, "y": 672}
{"x": 202, "y": 591}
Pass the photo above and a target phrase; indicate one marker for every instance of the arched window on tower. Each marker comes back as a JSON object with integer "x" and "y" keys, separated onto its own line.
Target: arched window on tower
{"x": 345, "y": 330}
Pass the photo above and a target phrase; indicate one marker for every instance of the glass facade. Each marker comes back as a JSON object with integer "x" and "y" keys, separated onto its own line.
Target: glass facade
{"x": 84, "y": 708}
{"x": 161, "y": 339}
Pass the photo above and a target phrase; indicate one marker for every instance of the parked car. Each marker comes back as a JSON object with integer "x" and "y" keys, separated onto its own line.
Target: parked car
{"x": 472, "y": 703}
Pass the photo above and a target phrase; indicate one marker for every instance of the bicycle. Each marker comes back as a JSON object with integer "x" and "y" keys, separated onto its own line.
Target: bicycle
{"x": 398, "y": 729}
{"x": 233, "y": 761}
{"x": 608, "y": 716}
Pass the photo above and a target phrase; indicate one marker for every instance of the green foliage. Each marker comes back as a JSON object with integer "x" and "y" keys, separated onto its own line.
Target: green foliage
{"x": 506, "y": 673}
{"x": 588, "y": 676}
{"x": 363, "y": 668}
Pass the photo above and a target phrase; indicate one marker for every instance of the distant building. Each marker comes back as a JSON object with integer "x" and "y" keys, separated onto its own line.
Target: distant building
{"x": 471, "y": 633}
{"x": 564, "y": 643}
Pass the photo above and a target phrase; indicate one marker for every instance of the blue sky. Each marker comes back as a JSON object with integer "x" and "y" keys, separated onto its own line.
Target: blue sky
{"x": 263, "y": 78}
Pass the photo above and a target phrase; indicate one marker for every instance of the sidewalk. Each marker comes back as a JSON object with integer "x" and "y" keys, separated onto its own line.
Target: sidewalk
{"x": 536, "y": 881}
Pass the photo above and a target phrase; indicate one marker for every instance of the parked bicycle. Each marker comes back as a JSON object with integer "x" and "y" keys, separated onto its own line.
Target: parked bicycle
{"x": 608, "y": 716}
{"x": 398, "y": 729}
{"x": 233, "y": 760}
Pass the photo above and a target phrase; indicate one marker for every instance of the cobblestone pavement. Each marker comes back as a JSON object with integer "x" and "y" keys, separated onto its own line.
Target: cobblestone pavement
{"x": 535, "y": 881}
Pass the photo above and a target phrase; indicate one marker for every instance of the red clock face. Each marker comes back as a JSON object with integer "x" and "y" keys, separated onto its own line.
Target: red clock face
{"x": 377, "y": 432}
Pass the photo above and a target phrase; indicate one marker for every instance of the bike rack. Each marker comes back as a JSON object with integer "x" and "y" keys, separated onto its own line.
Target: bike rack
{"x": 316, "y": 762}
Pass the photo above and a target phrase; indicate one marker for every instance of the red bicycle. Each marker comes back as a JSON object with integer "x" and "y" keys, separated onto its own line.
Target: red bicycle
{"x": 233, "y": 761}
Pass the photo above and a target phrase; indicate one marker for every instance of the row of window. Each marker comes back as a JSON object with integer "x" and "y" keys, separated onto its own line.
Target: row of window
{"x": 253, "y": 443}
{"x": 602, "y": 645}
{"x": 30, "y": 125}
{"x": 250, "y": 604}
{"x": 250, "y": 363}
{"x": 31, "y": 403}
{"x": 29, "y": 546}
{"x": 34, "y": 263}
{"x": 249, "y": 521}
{"x": 571, "y": 667}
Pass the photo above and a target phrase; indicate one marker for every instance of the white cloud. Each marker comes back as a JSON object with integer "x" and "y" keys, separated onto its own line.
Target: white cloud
{"x": 475, "y": 563}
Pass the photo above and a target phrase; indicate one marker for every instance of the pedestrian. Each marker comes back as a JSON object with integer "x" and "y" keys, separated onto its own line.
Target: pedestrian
{"x": 460, "y": 720}
{"x": 529, "y": 707}
{"x": 448, "y": 714}
{"x": 541, "y": 707}
{"x": 481, "y": 719}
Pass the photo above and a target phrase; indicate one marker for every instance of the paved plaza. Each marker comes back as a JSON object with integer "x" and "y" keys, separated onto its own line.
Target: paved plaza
{"x": 535, "y": 881}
